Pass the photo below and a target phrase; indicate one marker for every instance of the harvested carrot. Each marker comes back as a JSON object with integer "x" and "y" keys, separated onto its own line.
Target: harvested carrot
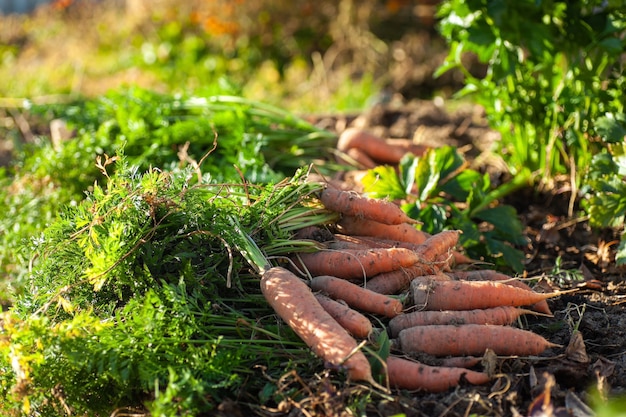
{"x": 461, "y": 361}
{"x": 362, "y": 159}
{"x": 316, "y": 233}
{"x": 352, "y": 204}
{"x": 354, "y": 322}
{"x": 357, "y": 263}
{"x": 491, "y": 275}
{"x": 433, "y": 294}
{"x": 386, "y": 151}
{"x": 294, "y": 302}
{"x": 405, "y": 232}
{"x": 501, "y": 315}
{"x": 471, "y": 339}
{"x": 397, "y": 281}
{"x": 412, "y": 375}
{"x": 356, "y": 296}
{"x": 434, "y": 253}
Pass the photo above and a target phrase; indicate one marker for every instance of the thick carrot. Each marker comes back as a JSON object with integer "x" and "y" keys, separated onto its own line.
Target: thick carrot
{"x": 354, "y": 322}
{"x": 502, "y": 315}
{"x": 357, "y": 263}
{"x": 431, "y": 294}
{"x": 405, "y": 232}
{"x": 372, "y": 145}
{"x": 353, "y": 204}
{"x": 356, "y": 296}
{"x": 491, "y": 275}
{"x": 412, "y": 375}
{"x": 294, "y": 302}
{"x": 471, "y": 339}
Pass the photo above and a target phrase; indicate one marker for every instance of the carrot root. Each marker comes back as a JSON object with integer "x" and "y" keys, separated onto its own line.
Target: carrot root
{"x": 471, "y": 339}
{"x": 294, "y": 302}
{"x": 356, "y": 296}
{"x": 412, "y": 375}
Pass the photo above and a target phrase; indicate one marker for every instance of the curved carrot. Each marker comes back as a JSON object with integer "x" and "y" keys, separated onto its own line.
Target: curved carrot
{"x": 433, "y": 294}
{"x": 491, "y": 275}
{"x": 412, "y": 375}
{"x": 357, "y": 263}
{"x": 501, "y": 315}
{"x": 471, "y": 339}
{"x": 354, "y": 322}
{"x": 356, "y": 296}
{"x": 294, "y": 302}
{"x": 397, "y": 281}
{"x": 353, "y": 204}
{"x": 405, "y": 232}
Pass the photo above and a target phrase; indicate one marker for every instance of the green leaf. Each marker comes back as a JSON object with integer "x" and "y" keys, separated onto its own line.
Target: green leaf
{"x": 611, "y": 127}
{"x": 620, "y": 255}
{"x": 383, "y": 182}
{"x": 506, "y": 222}
{"x": 512, "y": 257}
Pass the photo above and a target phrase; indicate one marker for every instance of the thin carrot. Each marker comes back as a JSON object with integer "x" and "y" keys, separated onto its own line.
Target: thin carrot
{"x": 405, "y": 232}
{"x": 357, "y": 263}
{"x": 412, "y": 375}
{"x": 294, "y": 302}
{"x": 471, "y": 339}
{"x": 356, "y": 296}
{"x": 354, "y": 322}
{"x": 434, "y": 253}
{"x": 468, "y": 295}
{"x": 501, "y": 315}
{"x": 491, "y": 275}
{"x": 395, "y": 282}
{"x": 351, "y": 203}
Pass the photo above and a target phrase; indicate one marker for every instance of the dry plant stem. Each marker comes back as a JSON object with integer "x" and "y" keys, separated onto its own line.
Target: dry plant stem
{"x": 503, "y": 315}
{"x": 294, "y": 302}
{"x": 471, "y": 339}
{"x": 412, "y": 375}
{"x": 351, "y": 203}
{"x": 431, "y": 294}
{"x": 356, "y": 264}
{"x": 356, "y": 296}
{"x": 354, "y": 322}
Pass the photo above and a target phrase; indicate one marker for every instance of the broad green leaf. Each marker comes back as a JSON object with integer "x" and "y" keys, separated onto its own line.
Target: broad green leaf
{"x": 506, "y": 222}
{"x": 383, "y": 182}
{"x": 611, "y": 127}
{"x": 512, "y": 257}
{"x": 434, "y": 217}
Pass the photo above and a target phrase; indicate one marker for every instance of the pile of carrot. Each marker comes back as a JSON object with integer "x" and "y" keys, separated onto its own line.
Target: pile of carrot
{"x": 376, "y": 272}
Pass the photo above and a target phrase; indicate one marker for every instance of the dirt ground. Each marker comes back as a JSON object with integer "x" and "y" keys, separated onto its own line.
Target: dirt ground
{"x": 562, "y": 251}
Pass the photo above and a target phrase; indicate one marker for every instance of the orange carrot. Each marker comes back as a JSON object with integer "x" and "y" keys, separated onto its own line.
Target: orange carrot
{"x": 501, "y": 315}
{"x": 294, "y": 302}
{"x": 412, "y": 375}
{"x": 491, "y": 275}
{"x": 354, "y": 322}
{"x": 471, "y": 339}
{"x": 432, "y": 294}
{"x": 434, "y": 253}
{"x": 350, "y": 203}
{"x": 357, "y": 263}
{"x": 316, "y": 233}
{"x": 405, "y": 232}
{"x": 461, "y": 361}
{"x": 385, "y": 151}
{"x": 356, "y": 296}
{"x": 395, "y": 282}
